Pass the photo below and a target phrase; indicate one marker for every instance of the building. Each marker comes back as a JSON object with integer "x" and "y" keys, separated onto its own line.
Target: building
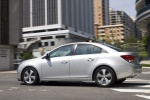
{"x": 113, "y": 33}
{"x": 120, "y": 17}
{"x": 10, "y": 31}
{"x": 143, "y": 19}
{"x": 50, "y": 23}
{"x": 101, "y": 14}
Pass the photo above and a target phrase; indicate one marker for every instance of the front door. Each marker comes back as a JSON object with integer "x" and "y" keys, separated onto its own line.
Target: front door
{"x": 57, "y": 66}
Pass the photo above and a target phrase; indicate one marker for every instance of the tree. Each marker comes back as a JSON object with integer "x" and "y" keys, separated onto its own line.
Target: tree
{"x": 26, "y": 55}
{"x": 130, "y": 39}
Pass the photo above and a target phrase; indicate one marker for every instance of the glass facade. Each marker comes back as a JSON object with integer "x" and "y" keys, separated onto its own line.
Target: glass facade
{"x": 52, "y": 12}
{"x": 4, "y": 19}
{"x": 26, "y": 13}
{"x": 38, "y": 7}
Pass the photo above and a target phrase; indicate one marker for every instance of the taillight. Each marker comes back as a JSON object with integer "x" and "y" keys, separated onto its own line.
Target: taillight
{"x": 128, "y": 58}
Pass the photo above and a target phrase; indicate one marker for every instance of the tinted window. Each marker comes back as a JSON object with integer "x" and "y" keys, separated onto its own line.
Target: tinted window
{"x": 62, "y": 51}
{"x": 112, "y": 47}
{"x": 87, "y": 49}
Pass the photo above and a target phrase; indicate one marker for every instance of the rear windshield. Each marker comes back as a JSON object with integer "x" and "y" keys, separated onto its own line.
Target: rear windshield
{"x": 112, "y": 47}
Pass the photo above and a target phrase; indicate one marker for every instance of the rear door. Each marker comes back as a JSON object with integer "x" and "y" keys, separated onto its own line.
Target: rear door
{"x": 83, "y": 60}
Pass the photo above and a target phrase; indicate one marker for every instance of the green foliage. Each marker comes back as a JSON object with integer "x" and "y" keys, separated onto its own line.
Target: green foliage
{"x": 26, "y": 55}
{"x": 145, "y": 65}
{"x": 144, "y": 39}
{"x": 130, "y": 39}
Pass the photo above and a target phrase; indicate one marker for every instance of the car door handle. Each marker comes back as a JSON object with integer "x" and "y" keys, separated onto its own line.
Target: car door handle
{"x": 90, "y": 59}
{"x": 64, "y": 62}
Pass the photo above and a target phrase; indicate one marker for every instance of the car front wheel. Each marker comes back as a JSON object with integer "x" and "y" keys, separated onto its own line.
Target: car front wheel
{"x": 104, "y": 76}
{"x": 30, "y": 76}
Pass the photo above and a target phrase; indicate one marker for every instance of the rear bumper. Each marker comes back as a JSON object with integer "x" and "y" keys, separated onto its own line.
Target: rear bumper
{"x": 137, "y": 69}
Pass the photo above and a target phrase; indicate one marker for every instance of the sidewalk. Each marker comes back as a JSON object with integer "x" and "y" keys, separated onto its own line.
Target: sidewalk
{"x": 145, "y": 62}
{"x": 8, "y": 72}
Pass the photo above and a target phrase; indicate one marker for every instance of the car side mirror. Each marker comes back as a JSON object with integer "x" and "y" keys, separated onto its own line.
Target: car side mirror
{"x": 47, "y": 56}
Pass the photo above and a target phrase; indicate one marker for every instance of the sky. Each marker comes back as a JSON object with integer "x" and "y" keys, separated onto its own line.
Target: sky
{"x": 124, "y": 5}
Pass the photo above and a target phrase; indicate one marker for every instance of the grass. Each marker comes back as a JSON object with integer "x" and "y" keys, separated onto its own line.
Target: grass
{"x": 145, "y": 65}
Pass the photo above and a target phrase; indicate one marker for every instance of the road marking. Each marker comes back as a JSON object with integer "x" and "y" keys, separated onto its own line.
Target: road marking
{"x": 31, "y": 89}
{"x": 13, "y": 88}
{"x": 133, "y": 90}
{"x": 145, "y": 73}
{"x": 144, "y": 96}
{"x": 147, "y": 86}
{"x": 1, "y": 90}
{"x": 44, "y": 90}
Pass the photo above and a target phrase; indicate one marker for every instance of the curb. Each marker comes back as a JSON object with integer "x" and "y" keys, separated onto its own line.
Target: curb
{"x": 8, "y": 72}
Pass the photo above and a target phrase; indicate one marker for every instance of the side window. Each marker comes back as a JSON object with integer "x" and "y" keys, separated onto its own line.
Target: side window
{"x": 87, "y": 49}
{"x": 62, "y": 51}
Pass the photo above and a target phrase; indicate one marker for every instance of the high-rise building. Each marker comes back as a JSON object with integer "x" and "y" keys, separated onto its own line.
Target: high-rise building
{"x": 113, "y": 33}
{"x": 143, "y": 19}
{"x": 101, "y": 14}
{"x": 120, "y": 17}
{"x": 56, "y": 22}
{"x": 120, "y": 26}
{"x": 10, "y": 31}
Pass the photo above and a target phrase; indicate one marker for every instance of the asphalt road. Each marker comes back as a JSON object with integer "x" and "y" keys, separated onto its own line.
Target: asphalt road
{"x": 137, "y": 88}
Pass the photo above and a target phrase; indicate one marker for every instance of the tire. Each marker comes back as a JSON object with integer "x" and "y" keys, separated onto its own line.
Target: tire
{"x": 120, "y": 81}
{"x": 105, "y": 77}
{"x": 30, "y": 76}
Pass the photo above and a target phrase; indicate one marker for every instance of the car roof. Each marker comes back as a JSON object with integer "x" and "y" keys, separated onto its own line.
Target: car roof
{"x": 102, "y": 45}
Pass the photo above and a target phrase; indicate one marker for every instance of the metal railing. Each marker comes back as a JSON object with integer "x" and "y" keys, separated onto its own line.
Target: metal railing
{"x": 143, "y": 10}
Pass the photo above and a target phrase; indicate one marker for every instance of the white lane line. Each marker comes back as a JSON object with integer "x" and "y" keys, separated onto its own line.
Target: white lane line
{"x": 133, "y": 90}
{"x": 31, "y": 89}
{"x": 44, "y": 90}
{"x": 1, "y": 90}
{"x": 13, "y": 88}
{"x": 144, "y": 96}
{"x": 145, "y": 73}
{"x": 147, "y": 86}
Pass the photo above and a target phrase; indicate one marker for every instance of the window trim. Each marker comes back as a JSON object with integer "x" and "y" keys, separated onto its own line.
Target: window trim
{"x": 60, "y": 47}
{"x": 75, "y": 48}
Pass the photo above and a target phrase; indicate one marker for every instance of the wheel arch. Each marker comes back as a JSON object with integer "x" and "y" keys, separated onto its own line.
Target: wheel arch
{"x": 29, "y": 67}
{"x": 103, "y": 66}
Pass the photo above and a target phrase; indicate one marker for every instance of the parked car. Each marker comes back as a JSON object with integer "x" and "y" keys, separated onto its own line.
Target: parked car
{"x": 82, "y": 61}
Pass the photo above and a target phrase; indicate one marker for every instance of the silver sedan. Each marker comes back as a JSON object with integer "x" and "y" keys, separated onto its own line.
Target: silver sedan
{"x": 81, "y": 61}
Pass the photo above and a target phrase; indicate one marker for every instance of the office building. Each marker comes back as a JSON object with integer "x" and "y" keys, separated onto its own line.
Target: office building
{"x": 50, "y": 23}
{"x": 120, "y": 17}
{"x": 113, "y": 33}
{"x": 101, "y": 14}
{"x": 143, "y": 19}
{"x": 10, "y": 31}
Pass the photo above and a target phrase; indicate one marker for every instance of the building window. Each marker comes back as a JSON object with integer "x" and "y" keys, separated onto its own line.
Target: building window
{"x": 52, "y": 43}
{"x": 40, "y": 44}
{"x": 60, "y": 36}
{"x": 46, "y": 43}
{"x": 46, "y": 38}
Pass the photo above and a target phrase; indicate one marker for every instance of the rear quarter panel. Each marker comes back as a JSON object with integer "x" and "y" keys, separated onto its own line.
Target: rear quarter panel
{"x": 121, "y": 67}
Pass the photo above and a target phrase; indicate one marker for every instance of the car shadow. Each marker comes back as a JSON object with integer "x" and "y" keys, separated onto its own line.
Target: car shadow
{"x": 129, "y": 85}
{"x": 72, "y": 84}
{"x": 87, "y": 84}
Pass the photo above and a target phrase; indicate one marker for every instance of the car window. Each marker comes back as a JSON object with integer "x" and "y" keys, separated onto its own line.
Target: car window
{"x": 62, "y": 51}
{"x": 87, "y": 49}
{"x": 112, "y": 47}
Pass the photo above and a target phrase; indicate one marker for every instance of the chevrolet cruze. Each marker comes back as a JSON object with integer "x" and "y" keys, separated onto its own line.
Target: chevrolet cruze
{"x": 83, "y": 61}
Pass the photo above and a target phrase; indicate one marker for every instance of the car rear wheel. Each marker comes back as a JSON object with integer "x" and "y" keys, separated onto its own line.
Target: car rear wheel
{"x": 104, "y": 76}
{"x": 30, "y": 76}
